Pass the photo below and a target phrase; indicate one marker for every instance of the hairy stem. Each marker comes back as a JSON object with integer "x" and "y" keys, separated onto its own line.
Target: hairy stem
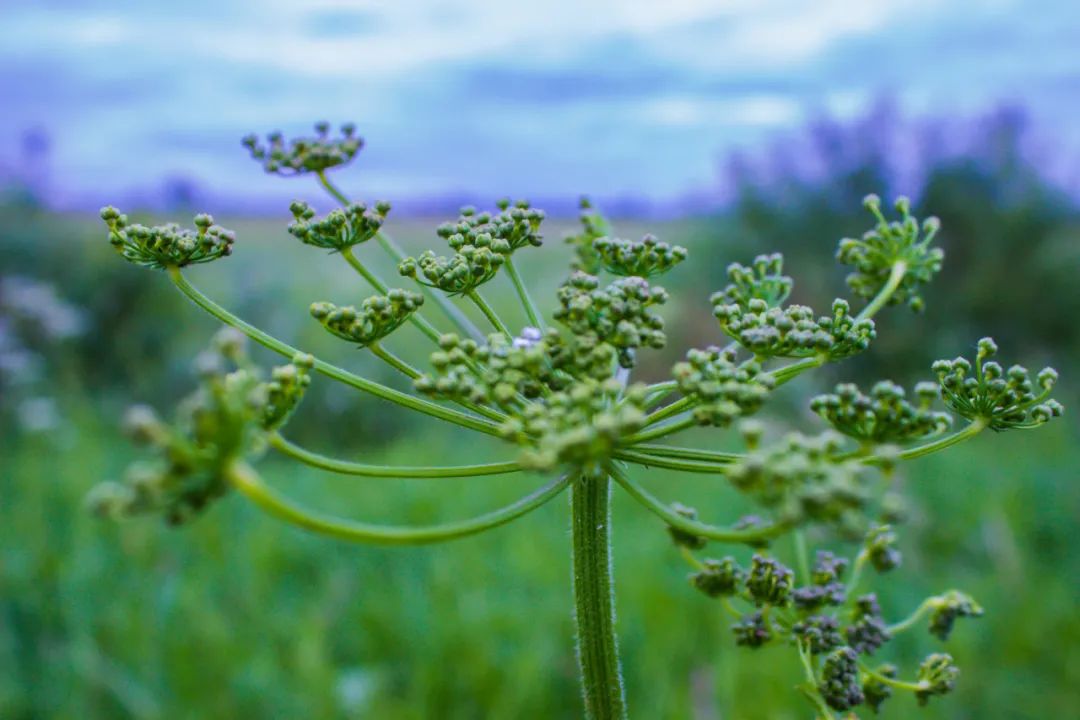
{"x": 344, "y": 467}
{"x": 523, "y": 293}
{"x": 489, "y": 313}
{"x": 245, "y": 480}
{"x": 594, "y": 598}
{"x": 332, "y": 371}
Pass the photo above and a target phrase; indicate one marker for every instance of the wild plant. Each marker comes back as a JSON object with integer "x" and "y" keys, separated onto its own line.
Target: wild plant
{"x": 558, "y": 388}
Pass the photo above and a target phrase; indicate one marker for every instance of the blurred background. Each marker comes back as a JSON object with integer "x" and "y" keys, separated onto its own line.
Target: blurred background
{"x": 732, "y": 128}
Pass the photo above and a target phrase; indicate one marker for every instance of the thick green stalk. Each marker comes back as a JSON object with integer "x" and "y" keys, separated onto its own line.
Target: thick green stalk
{"x": 246, "y": 481}
{"x": 594, "y": 598}
{"x": 523, "y": 294}
{"x": 345, "y": 467}
{"x": 332, "y": 371}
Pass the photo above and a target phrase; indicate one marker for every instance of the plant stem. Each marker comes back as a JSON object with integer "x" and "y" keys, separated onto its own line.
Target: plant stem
{"x": 913, "y": 618}
{"x": 416, "y": 318}
{"x": 393, "y": 360}
{"x": 673, "y": 451}
{"x": 387, "y": 243}
{"x": 344, "y": 467}
{"x": 594, "y": 598}
{"x": 749, "y": 536}
{"x": 489, "y": 313}
{"x": 523, "y": 293}
{"x": 896, "y": 276}
{"x": 790, "y": 372}
{"x": 660, "y": 431}
{"x": 332, "y": 371}
{"x": 801, "y": 556}
{"x": 245, "y": 480}
{"x": 973, "y": 429}
{"x": 659, "y": 461}
{"x": 668, "y": 410}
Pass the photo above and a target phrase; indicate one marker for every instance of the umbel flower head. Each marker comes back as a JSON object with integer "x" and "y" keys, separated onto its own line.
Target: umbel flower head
{"x": 763, "y": 280}
{"x": 1001, "y": 398}
{"x": 801, "y": 481}
{"x": 223, "y": 421}
{"x": 340, "y": 229}
{"x": 723, "y": 390}
{"x": 301, "y": 155}
{"x": 793, "y": 331}
{"x": 883, "y": 416}
{"x": 643, "y": 258}
{"x": 893, "y": 249}
{"x": 593, "y": 226}
{"x": 377, "y": 316}
{"x": 165, "y": 246}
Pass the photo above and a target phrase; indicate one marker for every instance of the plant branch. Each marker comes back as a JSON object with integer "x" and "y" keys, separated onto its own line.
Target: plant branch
{"x": 646, "y": 460}
{"x": 332, "y": 371}
{"x": 523, "y": 293}
{"x": 489, "y": 313}
{"x": 896, "y": 276}
{"x": 750, "y": 536}
{"x": 344, "y": 467}
{"x": 245, "y": 480}
{"x": 387, "y": 244}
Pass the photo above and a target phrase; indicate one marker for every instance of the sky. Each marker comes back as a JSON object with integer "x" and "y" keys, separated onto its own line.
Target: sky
{"x": 475, "y": 97}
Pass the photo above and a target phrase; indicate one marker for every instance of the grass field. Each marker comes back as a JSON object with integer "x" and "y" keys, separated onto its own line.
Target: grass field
{"x": 239, "y": 616}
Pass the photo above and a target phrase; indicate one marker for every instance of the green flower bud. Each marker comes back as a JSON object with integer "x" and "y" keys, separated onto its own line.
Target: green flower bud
{"x": 937, "y": 676}
{"x": 643, "y": 259}
{"x": 304, "y": 154}
{"x": 945, "y": 609}
{"x": 718, "y": 578}
{"x": 167, "y": 246}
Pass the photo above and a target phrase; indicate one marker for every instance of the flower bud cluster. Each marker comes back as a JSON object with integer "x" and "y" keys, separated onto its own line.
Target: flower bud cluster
{"x": 722, "y": 389}
{"x": 340, "y": 229}
{"x": 619, "y": 315}
{"x": 165, "y": 246}
{"x": 482, "y": 242}
{"x": 877, "y": 691}
{"x": 718, "y": 578}
{"x": 946, "y": 609}
{"x": 763, "y": 280}
{"x": 937, "y": 676}
{"x": 825, "y": 587}
{"x": 512, "y": 228}
{"x": 800, "y": 480}
{"x": 644, "y": 258}
{"x": 793, "y": 331}
{"x": 881, "y": 548}
{"x": 883, "y": 416}
{"x": 1001, "y": 398}
{"x": 305, "y": 154}
{"x": 578, "y": 427}
{"x": 879, "y": 251}
{"x": 840, "y": 684}
{"x": 593, "y": 226}
{"x": 867, "y": 631}
{"x": 223, "y": 421}
{"x": 377, "y": 316}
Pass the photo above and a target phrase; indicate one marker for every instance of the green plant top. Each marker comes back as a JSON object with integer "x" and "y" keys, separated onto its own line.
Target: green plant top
{"x": 557, "y": 390}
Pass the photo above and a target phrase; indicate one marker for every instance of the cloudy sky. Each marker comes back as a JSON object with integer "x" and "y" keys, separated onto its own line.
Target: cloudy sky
{"x": 493, "y": 97}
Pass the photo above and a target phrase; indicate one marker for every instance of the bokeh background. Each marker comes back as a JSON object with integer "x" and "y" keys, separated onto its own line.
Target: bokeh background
{"x": 730, "y": 127}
